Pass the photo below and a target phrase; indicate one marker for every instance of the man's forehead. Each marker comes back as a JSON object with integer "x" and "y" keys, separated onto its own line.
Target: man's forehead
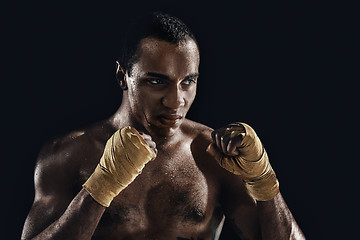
{"x": 167, "y": 58}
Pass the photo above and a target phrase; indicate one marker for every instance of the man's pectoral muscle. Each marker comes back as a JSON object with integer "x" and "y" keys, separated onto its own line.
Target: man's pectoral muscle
{"x": 173, "y": 197}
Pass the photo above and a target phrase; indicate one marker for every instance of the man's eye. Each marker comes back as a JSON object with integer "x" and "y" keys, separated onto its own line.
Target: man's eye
{"x": 155, "y": 81}
{"x": 188, "y": 82}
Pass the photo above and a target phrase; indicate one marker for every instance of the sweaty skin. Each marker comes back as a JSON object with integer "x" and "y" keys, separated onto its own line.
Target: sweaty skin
{"x": 182, "y": 194}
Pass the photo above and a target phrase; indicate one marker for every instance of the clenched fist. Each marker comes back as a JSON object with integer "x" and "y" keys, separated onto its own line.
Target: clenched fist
{"x": 125, "y": 155}
{"x": 238, "y": 149}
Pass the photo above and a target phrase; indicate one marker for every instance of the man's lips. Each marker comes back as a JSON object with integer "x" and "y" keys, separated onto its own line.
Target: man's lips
{"x": 171, "y": 116}
{"x": 170, "y": 119}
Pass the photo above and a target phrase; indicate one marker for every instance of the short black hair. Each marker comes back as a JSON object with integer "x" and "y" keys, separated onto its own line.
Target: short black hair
{"x": 157, "y": 25}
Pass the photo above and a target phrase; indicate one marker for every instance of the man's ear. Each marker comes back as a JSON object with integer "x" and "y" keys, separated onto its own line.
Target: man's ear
{"x": 120, "y": 76}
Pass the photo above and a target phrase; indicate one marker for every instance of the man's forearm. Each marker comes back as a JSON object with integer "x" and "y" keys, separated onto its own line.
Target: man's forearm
{"x": 79, "y": 220}
{"x": 277, "y": 221}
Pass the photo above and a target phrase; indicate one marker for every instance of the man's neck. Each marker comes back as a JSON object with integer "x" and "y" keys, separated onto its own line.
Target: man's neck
{"x": 120, "y": 118}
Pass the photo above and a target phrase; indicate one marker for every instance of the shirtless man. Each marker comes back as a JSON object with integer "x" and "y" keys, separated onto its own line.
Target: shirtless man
{"x": 165, "y": 177}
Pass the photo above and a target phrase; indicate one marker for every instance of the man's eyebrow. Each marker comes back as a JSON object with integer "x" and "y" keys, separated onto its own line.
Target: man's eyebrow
{"x": 194, "y": 75}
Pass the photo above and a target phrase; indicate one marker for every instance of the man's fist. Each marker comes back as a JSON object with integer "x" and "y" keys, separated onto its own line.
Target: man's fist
{"x": 238, "y": 139}
{"x": 237, "y": 148}
{"x": 125, "y": 155}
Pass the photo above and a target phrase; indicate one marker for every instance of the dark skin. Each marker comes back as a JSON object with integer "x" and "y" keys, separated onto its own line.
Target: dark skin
{"x": 182, "y": 194}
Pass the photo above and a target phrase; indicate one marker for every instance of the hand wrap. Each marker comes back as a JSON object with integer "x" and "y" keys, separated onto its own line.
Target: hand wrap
{"x": 252, "y": 164}
{"x": 124, "y": 157}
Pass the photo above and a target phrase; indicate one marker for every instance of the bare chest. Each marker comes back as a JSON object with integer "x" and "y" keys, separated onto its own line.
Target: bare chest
{"x": 172, "y": 195}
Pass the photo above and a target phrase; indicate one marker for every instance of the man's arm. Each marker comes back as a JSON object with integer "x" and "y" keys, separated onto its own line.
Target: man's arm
{"x": 79, "y": 220}
{"x": 56, "y": 213}
{"x": 277, "y": 221}
{"x": 238, "y": 150}
{"x": 264, "y": 220}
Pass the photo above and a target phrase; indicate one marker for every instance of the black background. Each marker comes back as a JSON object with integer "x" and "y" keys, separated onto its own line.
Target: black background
{"x": 286, "y": 69}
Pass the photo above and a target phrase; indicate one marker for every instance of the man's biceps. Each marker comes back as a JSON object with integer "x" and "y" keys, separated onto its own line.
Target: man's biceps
{"x": 52, "y": 179}
{"x": 45, "y": 200}
{"x": 48, "y": 208}
{"x": 52, "y": 197}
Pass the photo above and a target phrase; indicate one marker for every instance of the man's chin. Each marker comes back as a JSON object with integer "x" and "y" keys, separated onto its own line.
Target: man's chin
{"x": 163, "y": 132}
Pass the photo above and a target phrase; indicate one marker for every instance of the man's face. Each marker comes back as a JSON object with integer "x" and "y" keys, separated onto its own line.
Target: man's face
{"x": 162, "y": 84}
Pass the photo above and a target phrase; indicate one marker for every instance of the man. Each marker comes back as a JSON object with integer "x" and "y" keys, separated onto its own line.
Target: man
{"x": 147, "y": 172}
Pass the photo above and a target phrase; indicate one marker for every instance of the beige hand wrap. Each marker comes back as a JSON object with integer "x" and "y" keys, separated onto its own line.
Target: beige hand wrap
{"x": 124, "y": 157}
{"x": 252, "y": 164}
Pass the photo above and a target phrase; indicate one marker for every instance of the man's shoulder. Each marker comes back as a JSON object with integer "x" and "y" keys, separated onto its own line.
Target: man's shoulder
{"x": 74, "y": 145}
{"x": 195, "y": 127}
{"x": 197, "y": 131}
{"x": 64, "y": 159}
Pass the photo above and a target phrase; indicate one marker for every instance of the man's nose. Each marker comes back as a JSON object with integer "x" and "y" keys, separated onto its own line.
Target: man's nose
{"x": 173, "y": 98}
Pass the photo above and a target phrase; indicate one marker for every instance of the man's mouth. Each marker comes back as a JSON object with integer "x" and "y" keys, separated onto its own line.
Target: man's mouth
{"x": 170, "y": 119}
